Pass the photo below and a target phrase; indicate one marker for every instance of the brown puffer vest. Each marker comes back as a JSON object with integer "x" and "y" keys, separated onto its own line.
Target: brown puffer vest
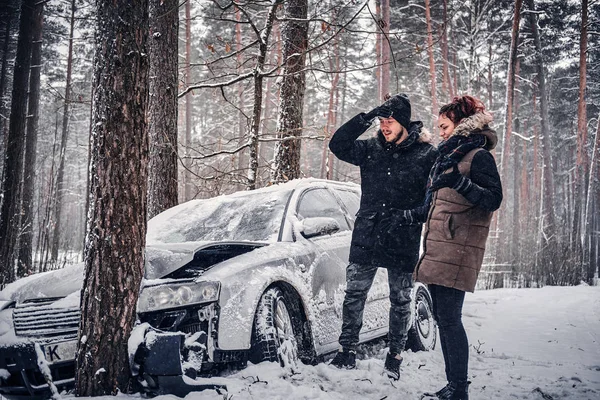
{"x": 455, "y": 235}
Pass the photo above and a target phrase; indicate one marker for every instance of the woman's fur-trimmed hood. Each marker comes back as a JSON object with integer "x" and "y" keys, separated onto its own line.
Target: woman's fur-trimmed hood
{"x": 479, "y": 124}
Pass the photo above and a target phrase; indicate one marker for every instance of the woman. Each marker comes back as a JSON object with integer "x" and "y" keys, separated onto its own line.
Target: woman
{"x": 464, "y": 190}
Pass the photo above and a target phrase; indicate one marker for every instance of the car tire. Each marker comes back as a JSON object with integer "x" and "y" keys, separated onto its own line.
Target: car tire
{"x": 273, "y": 336}
{"x": 422, "y": 336}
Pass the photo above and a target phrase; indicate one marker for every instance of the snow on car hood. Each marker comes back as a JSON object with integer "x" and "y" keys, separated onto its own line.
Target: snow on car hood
{"x": 57, "y": 283}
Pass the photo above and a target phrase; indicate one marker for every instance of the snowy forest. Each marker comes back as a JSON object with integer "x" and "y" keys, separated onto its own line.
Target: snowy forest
{"x": 243, "y": 95}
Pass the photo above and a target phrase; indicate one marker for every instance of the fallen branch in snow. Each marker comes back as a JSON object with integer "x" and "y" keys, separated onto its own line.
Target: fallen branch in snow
{"x": 255, "y": 380}
{"x": 478, "y": 348}
{"x": 45, "y": 370}
{"x": 545, "y": 396}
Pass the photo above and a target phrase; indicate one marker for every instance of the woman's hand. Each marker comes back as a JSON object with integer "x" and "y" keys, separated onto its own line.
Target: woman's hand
{"x": 453, "y": 179}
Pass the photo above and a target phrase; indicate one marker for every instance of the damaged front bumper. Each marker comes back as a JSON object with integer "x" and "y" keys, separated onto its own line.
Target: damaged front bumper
{"x": 21, "y": 377}
{"x": 169, "y": 359}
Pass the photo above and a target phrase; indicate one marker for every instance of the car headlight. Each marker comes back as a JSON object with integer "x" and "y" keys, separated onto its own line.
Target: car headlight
{"x": 174, "y": 295}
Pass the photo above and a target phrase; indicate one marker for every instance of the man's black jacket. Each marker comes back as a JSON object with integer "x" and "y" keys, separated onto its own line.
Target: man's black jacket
{"x": 392, "y": 177}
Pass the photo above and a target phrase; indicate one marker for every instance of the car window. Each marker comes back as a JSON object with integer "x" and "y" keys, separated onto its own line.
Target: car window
{"x": 321, "y": 203}
{"x": 351, "y": 200}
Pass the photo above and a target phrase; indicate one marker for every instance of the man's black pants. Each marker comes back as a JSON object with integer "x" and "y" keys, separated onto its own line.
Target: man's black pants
{"x": 359, "y": 278}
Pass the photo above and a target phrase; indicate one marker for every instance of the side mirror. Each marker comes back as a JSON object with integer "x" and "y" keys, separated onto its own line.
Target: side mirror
{"x": 318, "y": 226}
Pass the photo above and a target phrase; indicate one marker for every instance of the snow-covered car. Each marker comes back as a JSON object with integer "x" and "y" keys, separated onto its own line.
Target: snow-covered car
{"x": 252, "y": 276}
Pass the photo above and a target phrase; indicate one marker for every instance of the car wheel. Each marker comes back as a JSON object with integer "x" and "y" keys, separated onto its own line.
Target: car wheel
{"x": 273, "y": 336}
{"x": 423, "y": 334}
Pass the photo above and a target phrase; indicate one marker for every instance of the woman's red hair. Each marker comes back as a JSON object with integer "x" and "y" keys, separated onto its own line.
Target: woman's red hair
{"x": 462, "y": 107}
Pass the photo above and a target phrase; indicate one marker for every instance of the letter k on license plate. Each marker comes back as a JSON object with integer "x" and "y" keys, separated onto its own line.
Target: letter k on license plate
{"x": 57, "y": 352}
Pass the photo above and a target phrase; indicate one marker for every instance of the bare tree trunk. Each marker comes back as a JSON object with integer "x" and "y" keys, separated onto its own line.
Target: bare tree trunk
{"x": 581, "y": 167}
{"x": 187, "y": 177}
{"x": 162, "y": 106}
{"x": 593, "y": 196}
{"x": 25, "y": 263}
{"x": 116, "y": 229}
{"x": 242, "y": 118}
{"x": 3, "y": 75}
{"x": 289, "y": 120}
{"x": 378, "y": 45}
{"x": 490, "y": 83}
{"x": 548, "y": 225}
{"x": 385, "y": 50}
{"x": 258, "y": 90}
{"x": 446, "y": 83}
{"x": 327, "y": 158}
{"x": 432, "y": 76}
{"x": 60, "y": 177}
{"x": 15, "y": 146}
{"x": 510, "y": 88}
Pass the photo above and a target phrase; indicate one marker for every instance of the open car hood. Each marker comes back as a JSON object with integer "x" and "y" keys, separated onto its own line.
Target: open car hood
{"x": 188, "y": 260}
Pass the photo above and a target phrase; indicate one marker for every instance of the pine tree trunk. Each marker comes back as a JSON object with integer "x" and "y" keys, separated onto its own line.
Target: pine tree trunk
{"x": 446, "y": 83}
{"x": 503, "y": 220}
{"x": 510, "y": 89}
{"x": 581, "y": 167}
{"x": 3, "y": 79}
{"x": 114, "y": 253}
{"x": 378, "y": 45}
{"x": 289, "y": 120}
{"x": 385, "y": 49}
{"x": 162, "y": 106}
{"x": 25, "y": 263}
{"x": 15, "y": 146}
{"x": 258, "y": 91}
{"x": 187, "y": 177}
{"x": 548, "y": 226}
{"x": 60, "y": 175}
{"x": 327, "y": 158}
{"x": 591, "y": 212}
{"x": 432, "y": 75}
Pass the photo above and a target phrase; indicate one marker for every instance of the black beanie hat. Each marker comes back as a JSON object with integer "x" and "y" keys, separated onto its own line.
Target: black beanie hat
{"x": 400, "y": 105}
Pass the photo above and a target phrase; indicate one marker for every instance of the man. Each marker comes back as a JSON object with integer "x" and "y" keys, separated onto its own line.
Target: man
{"x": 394, "y": 167}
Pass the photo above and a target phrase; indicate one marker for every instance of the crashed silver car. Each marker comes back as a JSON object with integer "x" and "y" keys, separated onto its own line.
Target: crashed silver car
{"x": 252, "y": 276}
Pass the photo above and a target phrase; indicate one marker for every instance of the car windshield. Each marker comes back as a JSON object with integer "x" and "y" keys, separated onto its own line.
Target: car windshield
{"x": 243, "y": 216}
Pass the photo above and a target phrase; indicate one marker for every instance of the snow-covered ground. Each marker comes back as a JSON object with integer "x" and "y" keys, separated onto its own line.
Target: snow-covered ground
{"x": 537, "y": 344}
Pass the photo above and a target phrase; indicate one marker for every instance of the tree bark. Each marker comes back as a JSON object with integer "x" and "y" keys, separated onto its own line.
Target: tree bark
{"x": 162, "y": 106}
{"x": 60, "y": 175}
{"x": 385, "y": 50}
{"x": 258, "y": 90}
{"x": 432, "y": 75}
{"x": 581, "y": 168}
{"x": 187, "y": 177}
{"x": 116, "y": 228}
{"x": 548, "y": 225}
{"x": 3, "y": 76}
{"x": 327, "y": 157}
{"x": 13, "y": 161}
{"x": 446, "y": 83}
{"x": 510, "y": 89}
{"x": 25, "y": 263}
{"x": 591, "y": 205}
{"x": 289, "y": 120}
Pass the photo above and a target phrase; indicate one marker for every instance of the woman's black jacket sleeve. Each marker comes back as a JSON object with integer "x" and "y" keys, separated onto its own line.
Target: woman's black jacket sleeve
{"x": 485, "y": 190}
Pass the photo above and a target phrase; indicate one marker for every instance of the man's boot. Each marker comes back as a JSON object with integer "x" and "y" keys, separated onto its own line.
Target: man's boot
{"x": 392, "y": 366}
{"x": 344, "y": 359}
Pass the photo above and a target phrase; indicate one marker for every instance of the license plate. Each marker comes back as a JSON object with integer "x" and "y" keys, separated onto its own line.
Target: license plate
{"x": 58, "y": 352}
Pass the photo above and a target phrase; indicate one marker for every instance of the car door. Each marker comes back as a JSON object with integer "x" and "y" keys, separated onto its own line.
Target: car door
{"x": 327, "y": 272}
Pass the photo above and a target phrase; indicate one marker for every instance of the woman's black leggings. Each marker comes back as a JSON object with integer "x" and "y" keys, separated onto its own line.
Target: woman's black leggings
{"x": 447, "y": 310}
